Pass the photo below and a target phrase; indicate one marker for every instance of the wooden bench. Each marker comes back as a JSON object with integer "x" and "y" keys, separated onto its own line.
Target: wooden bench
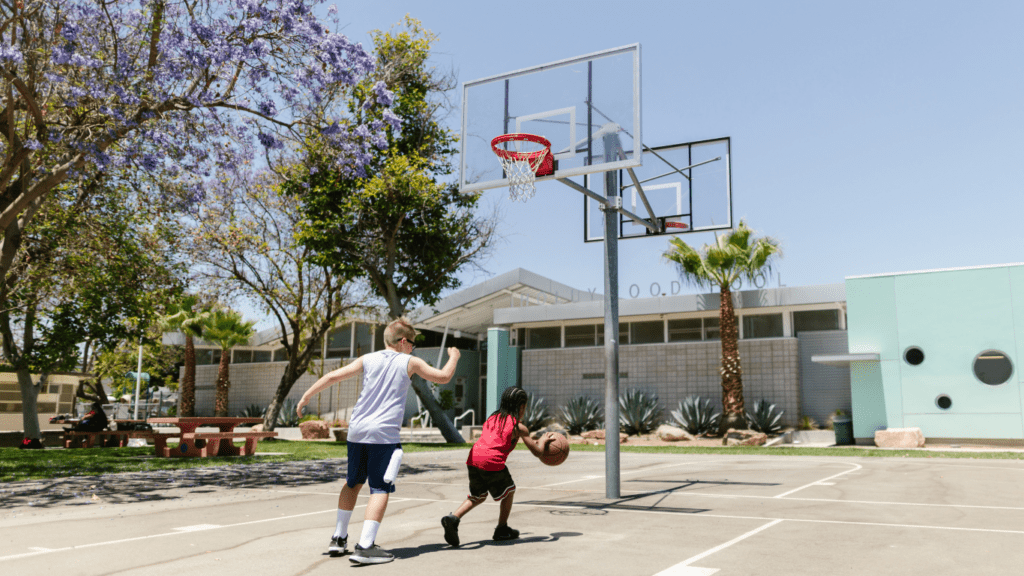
{"x": 81, "y": 439}
{"x": 203, "y": 444}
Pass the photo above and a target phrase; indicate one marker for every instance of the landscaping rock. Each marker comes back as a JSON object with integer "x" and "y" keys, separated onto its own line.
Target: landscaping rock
{"x": 672, "y": 433}
{"x": 315, "y": 430}
{"x": 899, "y": 438}
{"x": 735, "y": 437}
{"x": 555, "y": 427}
{"x": 340, "y": 434}
{"x": 599, "y": 435}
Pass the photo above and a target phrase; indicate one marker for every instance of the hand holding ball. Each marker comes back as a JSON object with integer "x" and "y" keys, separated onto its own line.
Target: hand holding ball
{"x": 555, "y": 451}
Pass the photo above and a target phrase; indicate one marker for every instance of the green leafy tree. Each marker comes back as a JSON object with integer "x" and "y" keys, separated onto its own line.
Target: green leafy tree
{"x": 402, "y": 227}
{"x": 188, "y": 316}
{"x": 245, "y": 248}
{"x": 226, "y": 329}
{"x": 95, "y": 265}
{"x": 735, "y": 256}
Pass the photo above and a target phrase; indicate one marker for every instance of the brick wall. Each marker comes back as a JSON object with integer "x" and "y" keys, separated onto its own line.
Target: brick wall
{"x": 672, "y": 371}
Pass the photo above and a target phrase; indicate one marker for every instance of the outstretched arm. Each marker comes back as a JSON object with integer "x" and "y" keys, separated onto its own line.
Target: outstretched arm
{"x": 328, "y": 380}
{"x": 536, "y": 447}
{"x": 420, "y": 368}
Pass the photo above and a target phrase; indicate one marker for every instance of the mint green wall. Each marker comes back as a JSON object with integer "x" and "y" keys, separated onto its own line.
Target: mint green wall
{"x": 871, "y": 328}
{"x": 952, "y": 316}
{"x": 502, "y": 367}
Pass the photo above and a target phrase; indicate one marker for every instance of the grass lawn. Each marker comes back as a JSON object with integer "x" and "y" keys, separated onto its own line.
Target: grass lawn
{"x": 17, "y": 465}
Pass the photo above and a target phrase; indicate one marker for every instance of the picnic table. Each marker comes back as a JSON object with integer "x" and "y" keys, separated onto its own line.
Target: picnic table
{"x": 118, "y": 437}
{"x": 203, "y": 444}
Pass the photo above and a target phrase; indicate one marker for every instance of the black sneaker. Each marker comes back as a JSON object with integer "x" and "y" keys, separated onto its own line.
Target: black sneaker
{"x": 31, "y": 444}
{"x": 451, "y": 529}
{"x": 372, "y": 555}
{"x": 339, "y": 546}
{"x": 503, "y": 532}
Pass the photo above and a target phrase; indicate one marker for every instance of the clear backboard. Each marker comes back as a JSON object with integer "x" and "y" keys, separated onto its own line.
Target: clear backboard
{"x": 588, "y": 107}
{"x": 686, "y": 184}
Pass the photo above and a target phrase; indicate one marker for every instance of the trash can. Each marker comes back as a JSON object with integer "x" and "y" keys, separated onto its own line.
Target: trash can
{"x": 843, "y": 426}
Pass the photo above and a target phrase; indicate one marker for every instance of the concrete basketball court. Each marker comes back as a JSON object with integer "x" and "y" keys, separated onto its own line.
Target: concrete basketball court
{"x": 679, "y": 515}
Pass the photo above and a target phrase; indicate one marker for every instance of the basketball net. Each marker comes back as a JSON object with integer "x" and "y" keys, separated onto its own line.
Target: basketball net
{"x": 520, "y": 159}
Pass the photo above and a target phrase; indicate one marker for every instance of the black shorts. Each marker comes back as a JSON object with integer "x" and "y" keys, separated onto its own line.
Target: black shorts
{"x": 498, "y": 482}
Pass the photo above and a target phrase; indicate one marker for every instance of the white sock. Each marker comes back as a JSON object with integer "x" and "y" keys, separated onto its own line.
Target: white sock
{"x": 341, "y": 528}
{"x": 369, "y": 534}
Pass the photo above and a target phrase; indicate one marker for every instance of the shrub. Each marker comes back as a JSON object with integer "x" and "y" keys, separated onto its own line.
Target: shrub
{"x": 536, "y": 414}
{"x": 252, "y": 411}
{"x": 287, "y": 416}
{"x": 639, "y": 412}
{"x": 308, "y": 418}
{"x": 762, "y": 419}
{"x": 807, "y": 423}
{"x": 696, "y": 416}
{"x": 582, "y": 413}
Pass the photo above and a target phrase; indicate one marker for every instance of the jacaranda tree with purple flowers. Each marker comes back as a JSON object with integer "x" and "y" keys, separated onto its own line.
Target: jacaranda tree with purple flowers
{"x": 179, "y": 88}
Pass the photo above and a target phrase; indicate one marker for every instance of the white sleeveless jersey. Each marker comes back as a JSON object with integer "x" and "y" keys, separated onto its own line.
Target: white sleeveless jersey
{"x": 377, "y": 416}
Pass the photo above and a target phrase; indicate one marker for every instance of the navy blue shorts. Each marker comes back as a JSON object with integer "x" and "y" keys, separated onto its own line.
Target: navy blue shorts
{"x": 370, "y": 461}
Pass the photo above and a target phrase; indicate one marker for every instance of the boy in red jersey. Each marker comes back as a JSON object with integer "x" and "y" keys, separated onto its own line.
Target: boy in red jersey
{"x": 487, "y": 469}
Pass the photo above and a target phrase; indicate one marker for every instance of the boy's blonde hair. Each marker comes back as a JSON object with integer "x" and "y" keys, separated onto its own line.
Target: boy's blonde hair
{"x": 397, "y": 330}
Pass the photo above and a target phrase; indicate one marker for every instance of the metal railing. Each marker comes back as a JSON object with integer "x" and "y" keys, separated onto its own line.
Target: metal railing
{"x": 471, "y": 422}
{"x": 423, "y": 417}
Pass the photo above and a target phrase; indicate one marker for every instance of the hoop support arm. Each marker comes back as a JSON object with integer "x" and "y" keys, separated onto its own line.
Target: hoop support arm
{"x": 643, "y": 197}
{"x": 606, "y": 206}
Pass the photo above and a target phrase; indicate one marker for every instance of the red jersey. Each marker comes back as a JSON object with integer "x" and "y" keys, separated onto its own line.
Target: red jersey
{"x": 495, "y": 444}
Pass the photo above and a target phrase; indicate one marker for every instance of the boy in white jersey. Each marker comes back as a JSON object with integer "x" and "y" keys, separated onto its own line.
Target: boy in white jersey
{"x": 373, "y": 441}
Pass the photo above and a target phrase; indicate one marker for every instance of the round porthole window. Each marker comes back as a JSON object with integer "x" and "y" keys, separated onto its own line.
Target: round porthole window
{"x": 992, "y": 367}
{"x": 914, "y": 355}
{"x": 943, "y": 402}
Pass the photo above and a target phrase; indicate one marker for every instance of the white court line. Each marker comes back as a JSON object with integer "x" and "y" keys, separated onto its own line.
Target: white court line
{"x": 736, "y": 517}
{"x": 858, "y": 467}
{"x": 177, "y": 532}
{"x": 678, "y": 569}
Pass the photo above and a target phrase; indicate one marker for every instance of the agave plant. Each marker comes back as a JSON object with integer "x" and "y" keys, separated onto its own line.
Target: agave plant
{"x": 536, "y": 414}
{"x": 762, "y": 419}
{"x": 639, "y": 412}
{"x": 252, "y": 411}
{"x": 696, "y": 416}
{"x": 287, "y": 417}
{"x": 582, "y": 413}
{"x": 808, "y": 423}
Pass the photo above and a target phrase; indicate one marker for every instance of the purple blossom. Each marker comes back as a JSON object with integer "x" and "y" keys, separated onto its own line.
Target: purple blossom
{"x": 384, "y": 96}
{"x": 33, "y": 144}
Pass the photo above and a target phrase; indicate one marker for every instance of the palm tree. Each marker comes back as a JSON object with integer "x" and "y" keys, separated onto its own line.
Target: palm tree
{"x": 226, "y": 329}
{"x": 186, "y": 316}
{"x": 735, "y": 256}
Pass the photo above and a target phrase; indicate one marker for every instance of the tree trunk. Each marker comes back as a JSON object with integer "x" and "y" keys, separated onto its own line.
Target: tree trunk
{"x": 29, "y": 410}
{"x": 732, "y": 372}
{"x": 288, "y": 379}
{"x": 223, "y": 384}
{"x": 437, "y": 415}
{"x": 187, "y": 395}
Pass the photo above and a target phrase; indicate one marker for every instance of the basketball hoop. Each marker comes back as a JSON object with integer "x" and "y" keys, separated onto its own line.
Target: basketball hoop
{"x": 523, "y": 157}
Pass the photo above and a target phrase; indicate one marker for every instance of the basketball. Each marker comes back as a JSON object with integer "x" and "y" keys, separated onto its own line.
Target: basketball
{"x": 557, "y": 451}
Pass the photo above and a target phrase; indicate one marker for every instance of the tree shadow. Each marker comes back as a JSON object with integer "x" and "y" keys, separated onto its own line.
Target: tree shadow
{"x": 174, "y": 484}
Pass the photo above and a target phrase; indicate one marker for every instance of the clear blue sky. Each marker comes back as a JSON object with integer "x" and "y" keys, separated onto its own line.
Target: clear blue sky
{"x": 867, "y": 136}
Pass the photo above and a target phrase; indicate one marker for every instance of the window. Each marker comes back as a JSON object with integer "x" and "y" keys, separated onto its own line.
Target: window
{"x": 762, "y": 326}
{"x": 281, "y": 355}
{"x": 261, "y": 355}
{"x": 712, "y": 329}
{"x": 576, "y": 336}
{"x": 914, "y": 355}
{"x": 992, "y": 367}
{"x": 364, "y": 338}
{"x": 544, "y": 337}
{"x": 812, "y": 320}
{"x": 623, "y": 333}
{"x": 647, "y": 332}
{"x": 242, "y": 356}
{"x": 684, "y": 330}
